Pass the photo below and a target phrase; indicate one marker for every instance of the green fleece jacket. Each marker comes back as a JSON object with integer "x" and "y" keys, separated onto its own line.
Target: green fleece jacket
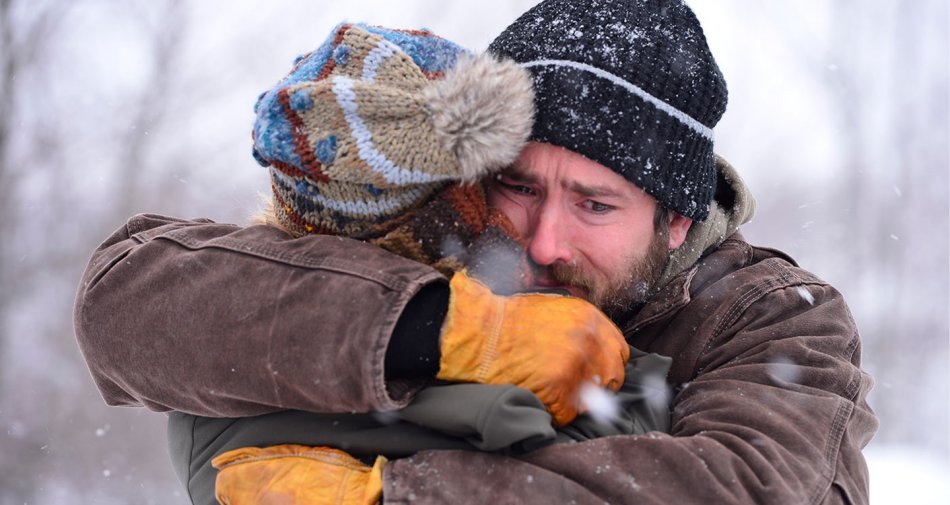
{"x": 504, "y": 419}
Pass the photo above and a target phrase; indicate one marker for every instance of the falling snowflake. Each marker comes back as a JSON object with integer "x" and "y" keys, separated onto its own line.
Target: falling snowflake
{"x": 784, "y": 370}
{"x": 600, "y": 403}
{"x": 808, "y": 297}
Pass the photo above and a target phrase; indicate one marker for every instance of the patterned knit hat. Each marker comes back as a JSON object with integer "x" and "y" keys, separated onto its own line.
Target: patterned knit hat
{"x": 630, "y": 84}
{"x": 375, "y": 121}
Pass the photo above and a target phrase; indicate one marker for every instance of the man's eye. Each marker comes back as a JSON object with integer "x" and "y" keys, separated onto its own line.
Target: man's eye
{"x": 514, "y": 188}
{"x": 597, "y": 207}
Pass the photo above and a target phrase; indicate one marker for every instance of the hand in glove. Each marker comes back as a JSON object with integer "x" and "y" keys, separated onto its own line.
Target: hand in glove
{"x": 548, "y": 344}
{"x": 296, "y": 475}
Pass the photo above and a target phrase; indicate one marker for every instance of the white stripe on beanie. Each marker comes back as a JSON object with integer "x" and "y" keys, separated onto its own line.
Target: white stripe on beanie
{"x": 683, "y": 117}
{"x": 377, "y": 161}
{"x": 384, "y": 50}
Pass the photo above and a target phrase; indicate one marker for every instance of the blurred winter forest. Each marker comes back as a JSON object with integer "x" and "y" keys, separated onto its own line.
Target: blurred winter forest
{"x": 838, "y": 120}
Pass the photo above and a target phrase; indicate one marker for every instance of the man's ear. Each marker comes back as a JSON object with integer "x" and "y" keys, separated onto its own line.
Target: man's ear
{"x": 679, "y": 225}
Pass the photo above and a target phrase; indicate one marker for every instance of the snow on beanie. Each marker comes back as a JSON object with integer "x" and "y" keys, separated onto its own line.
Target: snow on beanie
{"x": 369, "y": 126}
{"x": 630, "y": 84}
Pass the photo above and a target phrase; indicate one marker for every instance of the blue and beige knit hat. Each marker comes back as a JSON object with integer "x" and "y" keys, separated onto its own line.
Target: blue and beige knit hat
{"x": 375, "y": 121}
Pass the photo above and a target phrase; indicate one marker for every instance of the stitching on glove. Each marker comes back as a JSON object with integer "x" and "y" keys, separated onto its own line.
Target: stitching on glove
{"x": 491, "y": 349}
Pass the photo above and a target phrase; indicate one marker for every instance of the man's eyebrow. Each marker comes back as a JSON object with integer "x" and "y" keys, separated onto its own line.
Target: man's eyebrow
{"x": 520, "y": 174}
{"x": 594, "y": 190}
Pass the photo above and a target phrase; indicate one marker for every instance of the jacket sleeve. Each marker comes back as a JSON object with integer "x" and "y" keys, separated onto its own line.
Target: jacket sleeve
{"x": 775, "y": 414}
{"x": 218, "y": 320}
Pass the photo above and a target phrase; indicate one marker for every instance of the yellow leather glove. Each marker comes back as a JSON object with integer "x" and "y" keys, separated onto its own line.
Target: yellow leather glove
{"x": 548, "y": 344}
{"x": 296, "y": 475}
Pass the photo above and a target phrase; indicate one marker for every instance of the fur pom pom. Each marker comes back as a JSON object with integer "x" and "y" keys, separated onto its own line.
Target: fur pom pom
{"x": 483, "y": 110}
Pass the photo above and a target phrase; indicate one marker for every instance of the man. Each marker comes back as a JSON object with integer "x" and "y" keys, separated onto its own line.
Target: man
{"x": 769, "y": 403}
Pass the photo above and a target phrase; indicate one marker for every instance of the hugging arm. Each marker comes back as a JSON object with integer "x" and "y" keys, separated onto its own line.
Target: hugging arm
{"x": 776, "y": 413}
{"x": 218, "y": 320}
{"x": 222, "y": 321}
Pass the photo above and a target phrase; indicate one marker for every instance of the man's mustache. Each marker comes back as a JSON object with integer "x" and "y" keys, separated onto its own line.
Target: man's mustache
{"x": 563, "y": 274}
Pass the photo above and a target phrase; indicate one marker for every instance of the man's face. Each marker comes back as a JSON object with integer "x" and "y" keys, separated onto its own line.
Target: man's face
{"x": 586, "y": 228}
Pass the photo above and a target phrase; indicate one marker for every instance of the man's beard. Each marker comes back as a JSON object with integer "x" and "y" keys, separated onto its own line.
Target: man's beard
{"x": 634, "y": 286}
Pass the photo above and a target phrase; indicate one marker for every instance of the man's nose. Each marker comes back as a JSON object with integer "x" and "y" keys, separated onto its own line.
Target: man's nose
{"x": 547, "y": 238}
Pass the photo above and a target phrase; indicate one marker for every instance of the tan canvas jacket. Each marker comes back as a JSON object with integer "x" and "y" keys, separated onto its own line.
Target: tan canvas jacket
{"x": 769, "y": 404}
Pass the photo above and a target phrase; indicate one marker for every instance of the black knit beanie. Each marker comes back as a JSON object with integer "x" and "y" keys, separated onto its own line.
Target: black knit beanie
{"x": 630, "y": 84}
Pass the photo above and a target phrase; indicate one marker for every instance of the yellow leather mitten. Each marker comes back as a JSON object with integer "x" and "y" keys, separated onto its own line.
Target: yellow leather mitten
{"x": 548, "y": 344}
{"x": 296, "y": 475}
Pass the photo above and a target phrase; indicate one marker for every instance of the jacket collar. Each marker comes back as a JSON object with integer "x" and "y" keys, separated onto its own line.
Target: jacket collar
{"x": 732, "y": 207}
{"x": 680, "y": 291}
{"x": 674, "y": 296}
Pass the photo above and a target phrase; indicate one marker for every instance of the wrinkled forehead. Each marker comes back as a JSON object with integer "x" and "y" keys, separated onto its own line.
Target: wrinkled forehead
{"x": 549, "y": 164}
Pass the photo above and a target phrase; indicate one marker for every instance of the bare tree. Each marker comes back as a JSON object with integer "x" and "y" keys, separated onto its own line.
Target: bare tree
{"x": 884, "y": 68}
{"x": 57, "y": 426}
{"x": 24, "y": 33}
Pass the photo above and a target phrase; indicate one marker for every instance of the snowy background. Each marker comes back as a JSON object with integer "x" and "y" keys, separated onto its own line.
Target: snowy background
{"x": 838, "y": 120}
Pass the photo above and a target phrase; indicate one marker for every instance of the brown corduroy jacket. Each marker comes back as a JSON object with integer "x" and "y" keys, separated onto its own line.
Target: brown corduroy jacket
{"x": 769, "y": 403}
